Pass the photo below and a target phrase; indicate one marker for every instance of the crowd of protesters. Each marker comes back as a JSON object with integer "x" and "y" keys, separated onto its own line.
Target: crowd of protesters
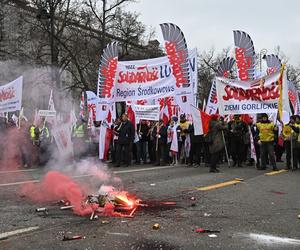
{"x": 151, "y": 143}
{"x": 161, "y": 143}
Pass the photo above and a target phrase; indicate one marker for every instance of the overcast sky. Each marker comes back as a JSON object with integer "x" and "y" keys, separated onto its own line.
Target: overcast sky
{"x": 209, "y": 23}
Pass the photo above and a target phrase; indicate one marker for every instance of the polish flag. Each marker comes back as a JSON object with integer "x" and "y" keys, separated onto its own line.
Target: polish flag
{"x": 164, "y": 114}
{"x": 131, "y": 117}
{"x": 174, "y": 143}
{"x": 200, "y": 121}
{"x": 105, "y": 137}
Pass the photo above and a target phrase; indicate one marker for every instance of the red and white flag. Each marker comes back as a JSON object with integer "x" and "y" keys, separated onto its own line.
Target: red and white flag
{"x": 197, "y": 121}
{"x": 252, "y": 146}
{"x": 105, "y": 137}
{"x": 200, "y": 121}
{"x": 174, "y": 143}
{"x": 164, "y": 114}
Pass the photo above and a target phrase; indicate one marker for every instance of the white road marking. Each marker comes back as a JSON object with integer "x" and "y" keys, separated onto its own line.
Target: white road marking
{"x": 270, "y": 239}
{"x": 89, "y": 175}
{"x": 18, "y": 183}
{"x": 17, "y": 171}
{"x": 121, "y": 234}
{"x": 18, "y": 231}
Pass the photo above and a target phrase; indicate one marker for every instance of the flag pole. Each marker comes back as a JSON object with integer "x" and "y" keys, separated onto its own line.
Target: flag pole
{"x": 280, "y": 111}
{"x": 226, "y": 151}
{"x": 292, "y": 155}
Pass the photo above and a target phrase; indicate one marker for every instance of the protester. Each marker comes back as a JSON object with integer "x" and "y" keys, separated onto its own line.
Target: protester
{"x": 172, "y": 140}
{"x": 160, "y": 134}
{"x": 126, "y": 136}
{"x": 237, "y": 130}
{"x": 142, "y": 130}
{"x": 79, "y": 134}
{"x": 296, "y": 149}
{"x": 215, "y": 139}
{"x": 266, "y": 140}
{"x": 182, "y": 127}
{"x": 196, "y": 147}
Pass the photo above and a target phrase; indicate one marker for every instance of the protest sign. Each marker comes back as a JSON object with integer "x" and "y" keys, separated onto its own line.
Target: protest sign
{"x": 146, "y": 112}
{"x": 11, "y": 96}
{"x": 249, "y": 97}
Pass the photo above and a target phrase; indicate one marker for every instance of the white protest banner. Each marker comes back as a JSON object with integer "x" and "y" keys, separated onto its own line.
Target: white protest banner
{"x": 197, "y": 120}
{"x": 146, "y": 112}
{"x": 47, "y": 113}
{"x": 212, "y": 101}
{"x": 151, "y": 79}
{"x": 11, "y": 96}
{"x": 248, "y": 97}
{"x": 62, "y": 136}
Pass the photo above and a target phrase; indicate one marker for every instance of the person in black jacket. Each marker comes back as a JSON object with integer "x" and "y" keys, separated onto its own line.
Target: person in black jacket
{"x": 160, "y": 136}
{"x": 196, "y": 147}
{"x": 125, "y": 140}
{"x": 141, "y": 145}
{"x": 237, "y": 129}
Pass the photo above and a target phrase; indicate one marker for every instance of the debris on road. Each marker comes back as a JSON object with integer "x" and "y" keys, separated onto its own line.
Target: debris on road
{"x": 212, "y": 236}
{"x": 202, "y": 230}
{"x": 193, "y": 198}
{"x": 75, "y": 237}
{"x": 41, "y": 209}
{"x": 277, "y": 192}
{"x": 207, "y": 215}
{"x": 152, "y": 184}
{"x": 156, "y": 226}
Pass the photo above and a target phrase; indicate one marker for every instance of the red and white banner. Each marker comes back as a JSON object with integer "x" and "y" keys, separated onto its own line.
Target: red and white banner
{"x": 105, "y": 137}
{"x": 294, "y": 97}
{"x": 164, "y": 114}
{"x": 174, "y": 142}
{"x": 11, "y": 96}
{"x": 250, "y": 97}
{"x": 252, "y": 146}
{"x": 62, "y": 135}
{"x": 151, "y": 79}
{"x": 197, "y": 120}
{"x": 212, "y": 101}
{"x": 244, "y": 55}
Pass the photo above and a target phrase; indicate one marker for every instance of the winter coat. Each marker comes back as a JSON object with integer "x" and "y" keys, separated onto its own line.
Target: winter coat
{"x": 216, "y": 138}
{"x": 126, "y": 133}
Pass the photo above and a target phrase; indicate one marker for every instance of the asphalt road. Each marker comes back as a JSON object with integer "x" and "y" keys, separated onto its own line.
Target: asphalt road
{"x": 258, "y": 212}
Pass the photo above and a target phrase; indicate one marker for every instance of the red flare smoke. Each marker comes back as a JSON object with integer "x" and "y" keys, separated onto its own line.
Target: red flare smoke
{"x": 56, "y": 186}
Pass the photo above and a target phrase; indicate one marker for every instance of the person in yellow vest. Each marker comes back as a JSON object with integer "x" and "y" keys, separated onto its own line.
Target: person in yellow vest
{"x": 79, "y": 135}
{"x": 266, "y": 130}
{"x": 289, "y": 134}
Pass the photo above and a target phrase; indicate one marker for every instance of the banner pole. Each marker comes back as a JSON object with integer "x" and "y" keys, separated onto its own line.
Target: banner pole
{"x": 226, "y": 152}
{"x": 292, "y": 155}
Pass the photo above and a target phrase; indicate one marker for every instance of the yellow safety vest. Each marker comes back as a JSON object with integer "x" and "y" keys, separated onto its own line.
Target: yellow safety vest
{"x": 31, "y": 132}
{"x": 78, "y": 131}
{"x": 298, "y": 126}
{"x": 287, "y": 132}
{"x": 266, "y": 131}
{"x": 184, "y": 126}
